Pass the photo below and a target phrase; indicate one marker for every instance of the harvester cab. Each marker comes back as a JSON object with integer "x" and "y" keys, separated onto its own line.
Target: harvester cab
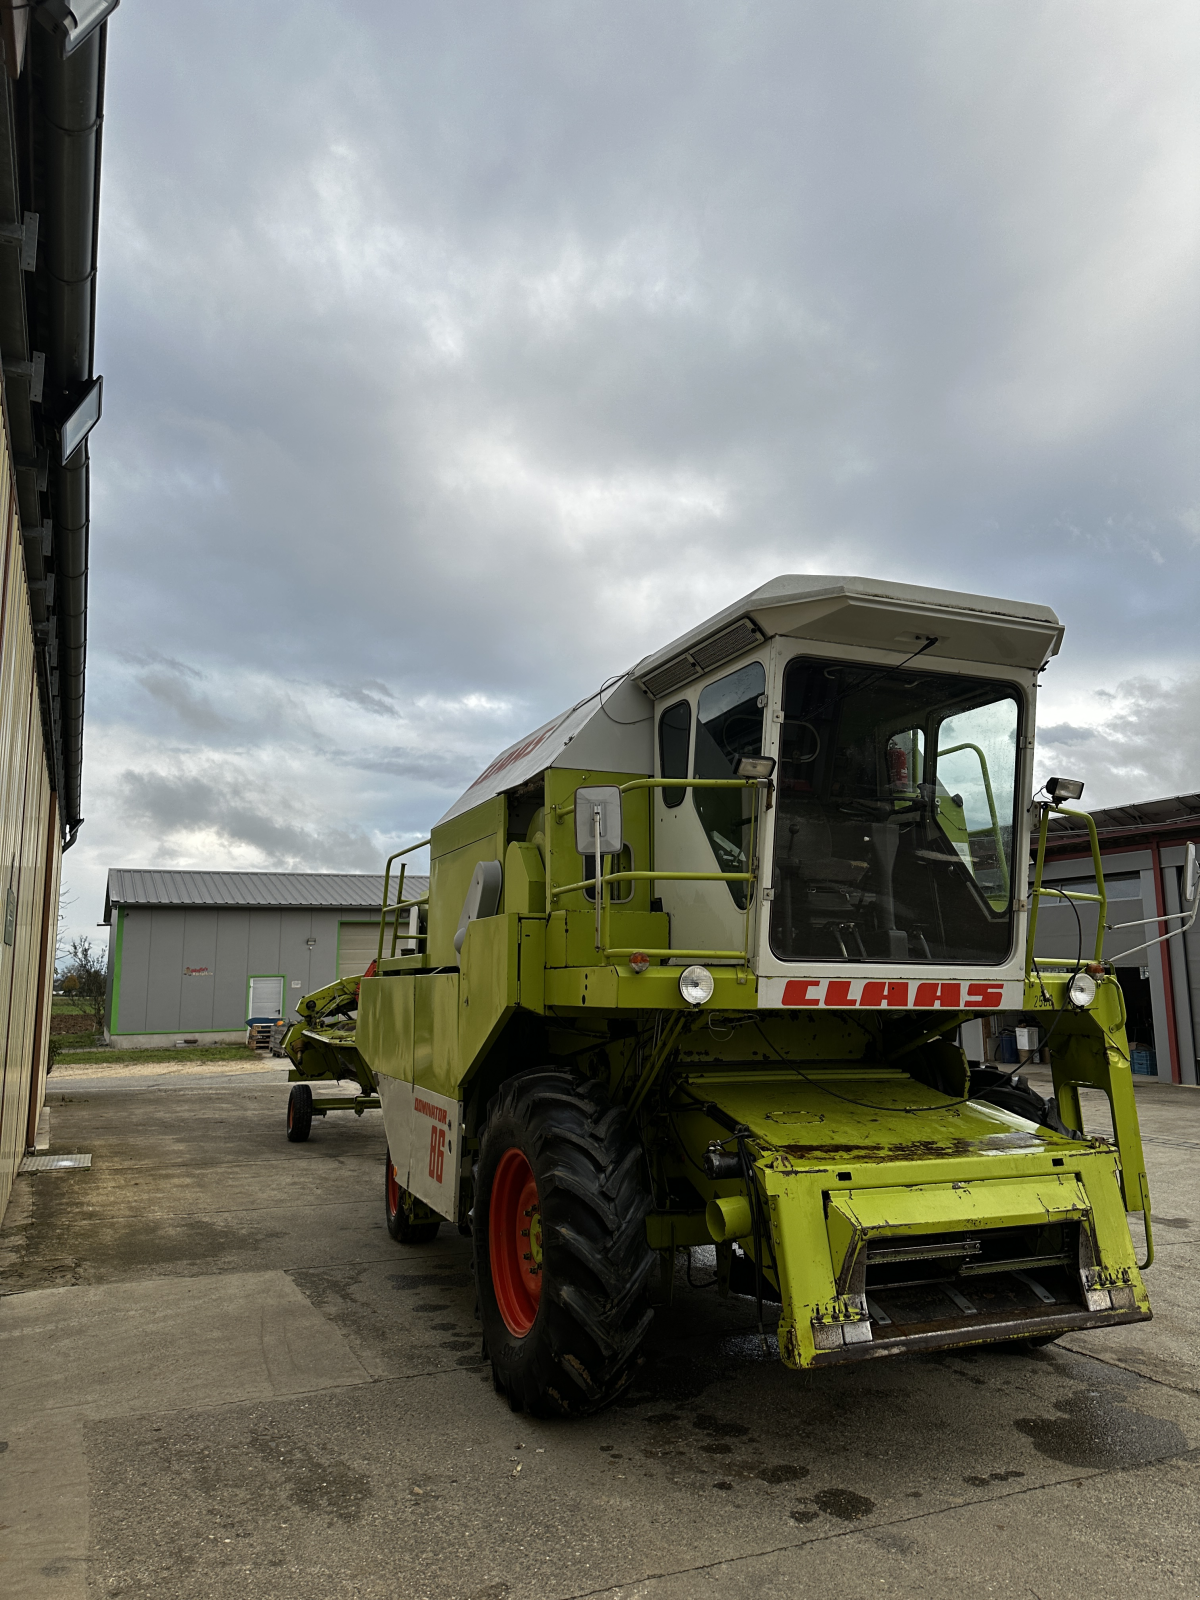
{"x": 695, "y": 967}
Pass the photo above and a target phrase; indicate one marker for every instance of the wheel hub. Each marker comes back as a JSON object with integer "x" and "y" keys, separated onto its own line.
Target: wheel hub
{"x": 515, "y": 1242}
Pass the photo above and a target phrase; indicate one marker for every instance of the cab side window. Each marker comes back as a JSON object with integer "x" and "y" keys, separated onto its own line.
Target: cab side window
{"x": 729, "y": 724}
{"x": 674, "y": 736}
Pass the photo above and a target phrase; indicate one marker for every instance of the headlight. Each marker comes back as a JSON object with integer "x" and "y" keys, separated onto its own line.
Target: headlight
{"x": 1081, "y": 993}
{"x": 696, "y": 985}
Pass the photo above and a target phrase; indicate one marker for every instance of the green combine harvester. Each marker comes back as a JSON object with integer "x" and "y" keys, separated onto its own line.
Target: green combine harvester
{"x": 693, "y": 969}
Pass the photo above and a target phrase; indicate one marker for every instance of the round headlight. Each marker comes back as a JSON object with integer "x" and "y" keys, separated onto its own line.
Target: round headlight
{"x": 1083, "y": 990}
{"x": 696, "y": 985}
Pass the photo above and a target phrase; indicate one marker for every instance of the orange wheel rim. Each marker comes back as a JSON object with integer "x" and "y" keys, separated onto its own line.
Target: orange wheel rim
{"x": 515, "y": 1242}
{"x": 393, "y": 1190}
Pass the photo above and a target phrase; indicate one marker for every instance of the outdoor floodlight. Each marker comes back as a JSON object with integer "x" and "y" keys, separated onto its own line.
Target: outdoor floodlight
{"x": 82, "y": 420}
{"x": 754, "y": 766}
{"x": 1064, "y": 788}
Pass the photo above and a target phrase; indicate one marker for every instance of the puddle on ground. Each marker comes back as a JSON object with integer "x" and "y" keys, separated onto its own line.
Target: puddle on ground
{"x": 843, "y": 1504}
{"x": 1092, "y": 1431}
{"x": 783, "y": 1472}
{"x": 718, "y": 1428}
{"x": 983, "y": 1481}
{"x": 430, "y": 1280}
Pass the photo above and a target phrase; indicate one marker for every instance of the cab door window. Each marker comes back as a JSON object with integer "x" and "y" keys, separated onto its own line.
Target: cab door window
{"x": 674, "y": 736}
{"x": 729, "y": 724}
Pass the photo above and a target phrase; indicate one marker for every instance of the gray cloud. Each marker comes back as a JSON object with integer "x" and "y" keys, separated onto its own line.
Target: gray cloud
{"x": 1144, "y": 742}
{"x": 455, "y": 357}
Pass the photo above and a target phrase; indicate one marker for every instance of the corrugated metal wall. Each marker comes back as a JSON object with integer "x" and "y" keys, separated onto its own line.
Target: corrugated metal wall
{"x": 30, "y": 860}
{"x": 184, "y": 970}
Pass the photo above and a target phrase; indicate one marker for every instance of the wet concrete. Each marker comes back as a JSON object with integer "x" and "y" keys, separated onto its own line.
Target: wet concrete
{"x": 221, "y": 1376}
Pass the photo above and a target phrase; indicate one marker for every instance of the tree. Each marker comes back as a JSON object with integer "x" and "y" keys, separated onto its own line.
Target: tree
{"x": 89, "y": 968}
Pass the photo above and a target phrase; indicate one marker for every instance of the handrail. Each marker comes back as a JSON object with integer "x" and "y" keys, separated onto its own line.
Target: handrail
{"x": 678, "y": 877}
{"x": 987, "y": 788}
{"x": 401, "y": 904}
{"x": 603, "y": 880}
{"x": 1037, "y": 891}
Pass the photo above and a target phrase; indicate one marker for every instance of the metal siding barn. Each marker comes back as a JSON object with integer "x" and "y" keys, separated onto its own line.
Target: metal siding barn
{"x": 194, "y": 955}
{"x": 1142, "y": 850}
{"x": 51, "y": 114}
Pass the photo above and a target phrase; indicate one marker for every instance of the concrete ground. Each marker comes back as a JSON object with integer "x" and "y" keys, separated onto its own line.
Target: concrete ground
{"x": 219, "y": 1376}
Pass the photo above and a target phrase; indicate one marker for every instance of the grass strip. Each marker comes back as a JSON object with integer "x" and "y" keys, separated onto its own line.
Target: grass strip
{"x": 212, "y": 1052}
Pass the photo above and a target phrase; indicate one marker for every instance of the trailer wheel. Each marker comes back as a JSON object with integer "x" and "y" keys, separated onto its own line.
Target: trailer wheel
{"x": 299, "y": 1113}
{"x": 408, "y": 1220}
{"x": 561, "y": 1259}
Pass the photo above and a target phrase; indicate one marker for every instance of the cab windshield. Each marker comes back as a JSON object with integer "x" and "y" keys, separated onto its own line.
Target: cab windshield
{"x": 896, "y": 812}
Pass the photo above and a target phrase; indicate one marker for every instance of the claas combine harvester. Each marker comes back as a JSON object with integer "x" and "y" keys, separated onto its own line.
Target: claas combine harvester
{"x": 693, "y": 969}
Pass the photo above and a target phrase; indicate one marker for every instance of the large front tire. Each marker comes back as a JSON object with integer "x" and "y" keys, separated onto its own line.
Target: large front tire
{"x": 561, "y": 1259}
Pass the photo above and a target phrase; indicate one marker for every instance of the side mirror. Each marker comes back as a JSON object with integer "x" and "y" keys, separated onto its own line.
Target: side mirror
{"x": 1191, "y": 874}
{"x": 602, "y": 805}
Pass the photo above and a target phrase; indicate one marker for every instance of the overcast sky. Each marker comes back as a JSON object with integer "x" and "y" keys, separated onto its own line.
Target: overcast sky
{"x": 456, "y": 355}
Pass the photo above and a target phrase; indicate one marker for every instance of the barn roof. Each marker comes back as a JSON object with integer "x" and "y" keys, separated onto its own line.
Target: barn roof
{"x": 277, "y": 891}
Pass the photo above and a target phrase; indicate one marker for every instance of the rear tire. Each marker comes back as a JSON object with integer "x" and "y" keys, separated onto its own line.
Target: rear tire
{"x": 562, "y": 1266}
{"x": 409, "y": 1221}
{"x": 299, "y": 1113}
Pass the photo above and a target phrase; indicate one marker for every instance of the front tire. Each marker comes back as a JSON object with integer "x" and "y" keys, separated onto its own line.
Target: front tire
{"x": 561, "y": 1260}
{"x": 299, "y": 1113}
{"x": 409, "y": 1221}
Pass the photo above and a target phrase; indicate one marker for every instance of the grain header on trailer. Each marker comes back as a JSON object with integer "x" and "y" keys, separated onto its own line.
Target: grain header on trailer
{"x": 692, "y": 969}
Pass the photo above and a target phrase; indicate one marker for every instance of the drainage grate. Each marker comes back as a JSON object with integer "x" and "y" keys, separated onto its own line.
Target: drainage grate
{"x": 55, "y": 1163}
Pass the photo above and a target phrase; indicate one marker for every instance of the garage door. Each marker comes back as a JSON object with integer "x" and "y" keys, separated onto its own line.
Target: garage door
{"x": 358, "y": 944}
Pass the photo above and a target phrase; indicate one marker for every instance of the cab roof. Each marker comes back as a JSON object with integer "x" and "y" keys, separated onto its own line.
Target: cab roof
{"x": 870, "y": 612}
{"x": 611, "y": 731}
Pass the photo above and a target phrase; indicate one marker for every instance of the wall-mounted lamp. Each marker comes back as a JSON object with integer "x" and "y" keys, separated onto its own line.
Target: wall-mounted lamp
{"x": 312, "y": 944}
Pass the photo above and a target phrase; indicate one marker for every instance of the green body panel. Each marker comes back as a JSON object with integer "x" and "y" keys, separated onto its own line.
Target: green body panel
{"x": 489, "y": 984}
{"x": 571, "y": 935}
{"x": 565, "y": 865}
{"x": 386, "y": 1031}
{"x": 524, "y": 880}
{"x": 455, "y": 851}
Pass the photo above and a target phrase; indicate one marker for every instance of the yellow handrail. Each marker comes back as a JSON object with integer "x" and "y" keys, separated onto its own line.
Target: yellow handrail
{"x": 401, "y": 904}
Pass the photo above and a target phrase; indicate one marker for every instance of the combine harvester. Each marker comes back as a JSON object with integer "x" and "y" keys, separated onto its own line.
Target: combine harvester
{"x": 692, "y": 970}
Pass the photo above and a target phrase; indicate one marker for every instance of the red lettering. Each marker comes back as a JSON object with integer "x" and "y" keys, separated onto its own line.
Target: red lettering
{"x": 437, "y": 1153}
{"x": 873, "y": 993}
{"x": 837, "y": 992}
{"x": 985, "y": 994}
{"x": 947, "y": 995}
{"x": 795, "y": 991}
{"x": 897, "y": 994}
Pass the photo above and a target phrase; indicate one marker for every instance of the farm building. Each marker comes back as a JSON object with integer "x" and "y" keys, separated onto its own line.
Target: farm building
{"x": 194, "y": 955}
{"x": 51, "y": 115}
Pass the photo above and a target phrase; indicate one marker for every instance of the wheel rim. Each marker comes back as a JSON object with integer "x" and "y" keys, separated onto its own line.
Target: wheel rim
{"x": 515, "y": 1242}
{"x": 291, "y": 1114}
{"x": 393, "y": 1189}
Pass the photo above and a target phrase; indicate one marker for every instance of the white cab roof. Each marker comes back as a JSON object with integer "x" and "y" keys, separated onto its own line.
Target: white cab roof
{"x": 612, "y": 733}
